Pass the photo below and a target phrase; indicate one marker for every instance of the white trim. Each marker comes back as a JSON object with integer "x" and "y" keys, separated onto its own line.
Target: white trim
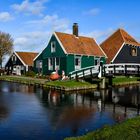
{"x": 44, "y": 48}
{"x": 8, "y": 59}
{"x": 60, "y": 43}
{"x": 79, "y": 57}
{"x": 48, "y": 44}
{"x": 84, "y": 55}
{"x": 117, "y": 53}
{"x": 57, "y": 66}
{"x": 27, "y": 68}
{"x": 100, "y": 48}
{"x": 20, "y": 59}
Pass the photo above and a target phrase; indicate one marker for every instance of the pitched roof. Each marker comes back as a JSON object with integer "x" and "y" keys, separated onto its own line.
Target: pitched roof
{"x": 27, "y": 57}
{"x": 112, "y": 45}
{"x": 79, "y": 45}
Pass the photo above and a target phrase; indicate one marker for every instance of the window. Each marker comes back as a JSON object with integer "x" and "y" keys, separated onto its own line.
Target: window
{"x": 50, "y": 63}
{"x": 39, "y": 64}
{"x": 133, "y": 51}
{"x": 53, "y": 47}
{"x": 14, "y": 58}
{"x": 97, "y": 61}
{"x": 57, "y": 63}
{"x": 77, "y": 63}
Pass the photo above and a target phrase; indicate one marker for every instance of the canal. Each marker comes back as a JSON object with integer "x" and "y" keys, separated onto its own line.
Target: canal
{"x": 32, "y": 113}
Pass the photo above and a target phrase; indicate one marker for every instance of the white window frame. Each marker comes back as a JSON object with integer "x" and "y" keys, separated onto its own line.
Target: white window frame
{"x": 50, "y": 66}
{"x": 135, "y": 53}
{"x": 40, "y": 64}
{"x": 53, "y": 47}
{"x": 77, "y": 67}
{"x": 98, "y": 61}
{"x": 57, "y": 67}
{"x": 14, "y": 58}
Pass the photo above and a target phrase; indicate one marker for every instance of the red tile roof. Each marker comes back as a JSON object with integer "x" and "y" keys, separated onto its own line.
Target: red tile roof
{"x": 27, "y": 57}
{"x": 79, "y": 45}
{"x": 112, "y": 45}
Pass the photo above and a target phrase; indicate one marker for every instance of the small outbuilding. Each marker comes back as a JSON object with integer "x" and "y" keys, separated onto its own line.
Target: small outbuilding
{"x": 20, "y": 62}
{"x": 121, "y": 47}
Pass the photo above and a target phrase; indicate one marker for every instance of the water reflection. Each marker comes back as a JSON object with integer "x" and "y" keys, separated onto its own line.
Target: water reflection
{"x": 4, "y": 112}
{"x": 33, "y": 112}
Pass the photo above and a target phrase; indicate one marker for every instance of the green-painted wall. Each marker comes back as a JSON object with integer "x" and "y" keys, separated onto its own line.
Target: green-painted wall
{"x": 87, "y": 61}
{"x": 70, "y": 64}
{"x": 59, "y": 52}
{"x": 67, "y": 62}
{"x": 38, "y": 58}
{"x": 48, "y": 54}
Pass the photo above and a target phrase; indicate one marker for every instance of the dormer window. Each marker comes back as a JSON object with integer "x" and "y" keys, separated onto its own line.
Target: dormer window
{"x": 133, "y": 51}
{"x": 53, "y": 47}
{"x": 14, "y": 58}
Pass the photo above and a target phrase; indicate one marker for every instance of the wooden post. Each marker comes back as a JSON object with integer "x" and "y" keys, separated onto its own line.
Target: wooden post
{"x": 138, "y": 70}
{"x": 125, "y": 70}
{"x": 104, "y": 73}
{"x": 76, "y": 76}
{"x": 114, "y": 69}
{"x": 70, "y": 76}
{"x": 91, "y": 72}
{"x": 83, "y": 74}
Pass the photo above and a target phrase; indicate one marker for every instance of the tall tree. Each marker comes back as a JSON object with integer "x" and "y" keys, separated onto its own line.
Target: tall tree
{"x": 6, "y": 45}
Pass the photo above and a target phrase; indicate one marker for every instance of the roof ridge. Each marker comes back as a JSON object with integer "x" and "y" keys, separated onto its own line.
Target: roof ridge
{"x": 122, "y": 34}
{"x": 131, "y": 37}
{"x": 74, "y": 35}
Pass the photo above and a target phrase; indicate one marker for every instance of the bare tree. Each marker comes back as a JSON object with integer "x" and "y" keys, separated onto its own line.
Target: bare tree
{"x": 6, "y": 45}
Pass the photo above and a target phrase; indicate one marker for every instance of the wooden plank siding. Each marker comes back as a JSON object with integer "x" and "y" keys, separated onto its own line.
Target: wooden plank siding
{"x": 67, "y": 61}
{"x": 125, "y": 56}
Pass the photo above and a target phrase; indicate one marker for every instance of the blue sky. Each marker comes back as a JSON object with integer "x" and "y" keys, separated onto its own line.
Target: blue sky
{"x": 31, "y": 22}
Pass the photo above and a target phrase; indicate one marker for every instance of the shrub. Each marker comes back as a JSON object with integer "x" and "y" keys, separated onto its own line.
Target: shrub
{"x": 30, "y": 73}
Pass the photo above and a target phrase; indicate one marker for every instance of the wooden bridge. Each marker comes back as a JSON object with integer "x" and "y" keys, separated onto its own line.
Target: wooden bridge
{"x": 85, "y": 72}
{"x": 106, "y": 70}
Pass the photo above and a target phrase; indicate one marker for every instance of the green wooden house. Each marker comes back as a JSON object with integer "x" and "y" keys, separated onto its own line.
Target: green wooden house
{"x": 68, "y": 52}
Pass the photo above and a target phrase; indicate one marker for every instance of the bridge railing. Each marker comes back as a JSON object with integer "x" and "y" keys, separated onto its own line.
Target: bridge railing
{"x": 123, "y": 68}
{"x": 84, "y": 72}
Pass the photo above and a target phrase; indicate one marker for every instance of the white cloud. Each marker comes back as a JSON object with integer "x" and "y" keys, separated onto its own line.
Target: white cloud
{"x": 37, "y": 40}
{"x": 28, "y": 7}
{"x": 31, "y": 41}
{"x": 92, "y": 12}
{"x": 50, "y": 22}
{"x": 5, "y": 16}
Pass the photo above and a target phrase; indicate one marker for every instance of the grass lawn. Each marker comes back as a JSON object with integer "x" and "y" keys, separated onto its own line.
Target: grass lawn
{"x": 23, "y": 79}
{"x": 128, "y": 130}
{"x": 70, "y": 84}
{"x": 45, "y": 82}
{"x": 125, "y": 80}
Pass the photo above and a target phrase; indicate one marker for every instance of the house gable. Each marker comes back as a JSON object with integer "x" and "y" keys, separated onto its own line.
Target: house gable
{"x": 59, "y": 52}
{"x": 115, "y": 43}
{"x": 12, "y": 62}
{"x": 125, "y": 56}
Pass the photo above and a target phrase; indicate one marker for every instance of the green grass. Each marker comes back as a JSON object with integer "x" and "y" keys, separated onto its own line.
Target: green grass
{"x": 69, "y": 84}
{"x": 45, "y": 82}
{"x": 125, "y": 80}
{"x": 23, "y": 79}
{"x": 128, "y": 130}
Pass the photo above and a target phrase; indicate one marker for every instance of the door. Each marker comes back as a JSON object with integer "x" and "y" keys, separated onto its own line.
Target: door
{"x": 18, "y": 70}
{"x": 77, "y": 63}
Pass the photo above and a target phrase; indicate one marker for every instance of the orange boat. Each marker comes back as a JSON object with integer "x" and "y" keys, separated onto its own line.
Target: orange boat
{"x": 54, "y": 76}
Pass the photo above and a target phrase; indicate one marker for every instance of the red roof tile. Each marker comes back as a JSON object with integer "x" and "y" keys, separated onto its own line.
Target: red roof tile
{"x": 27, "y": 57}
{"x": 112, "y": 45}
{"x": 79, "y": 45}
